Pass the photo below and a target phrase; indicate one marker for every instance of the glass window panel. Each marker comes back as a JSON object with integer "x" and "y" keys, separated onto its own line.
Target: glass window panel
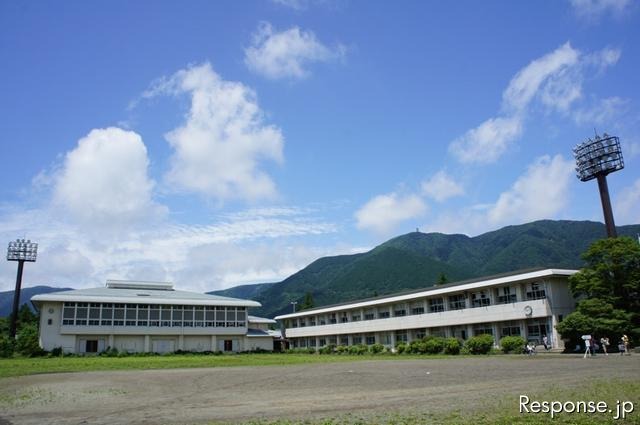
{"x": 69, "y": 312}
{"x": 81, "y": 312}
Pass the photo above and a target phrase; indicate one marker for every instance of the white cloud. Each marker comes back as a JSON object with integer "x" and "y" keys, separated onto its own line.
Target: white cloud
{"x": 592, "y": 10}
{"x": 554, "y": 80}
{"x": 527, "y": 82}
{"x": 627, "y": 206}
{"x": 441, "y": 187}
{"x": 540, "y": 193}
{"x": 234, "y": 249}
{"x": 288, "y": 53}
{"x": 603, "y": 112}
{"x": 292, "y": 4}
{"x": 104, "y": 180}
{"x": 384, "y": 212}
{"x": 219, "y": 149}
{"x": 487, "y": 142}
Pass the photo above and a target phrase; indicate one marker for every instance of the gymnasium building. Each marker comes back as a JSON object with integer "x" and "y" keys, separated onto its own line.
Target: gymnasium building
{"x": 148, "y": 317}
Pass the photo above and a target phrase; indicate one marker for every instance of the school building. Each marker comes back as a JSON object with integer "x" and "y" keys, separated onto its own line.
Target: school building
{"x": 528, "y": 303}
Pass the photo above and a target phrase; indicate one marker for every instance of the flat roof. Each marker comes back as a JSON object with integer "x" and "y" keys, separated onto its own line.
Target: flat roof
{"x": 141, "y": 296}
{"x": 463, "y": 285}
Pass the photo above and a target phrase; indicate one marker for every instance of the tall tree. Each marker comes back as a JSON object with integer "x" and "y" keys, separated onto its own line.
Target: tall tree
{"x": 307, "y": 303}
{"x": 608, "y": 291}
{"x": 442, "y": 279}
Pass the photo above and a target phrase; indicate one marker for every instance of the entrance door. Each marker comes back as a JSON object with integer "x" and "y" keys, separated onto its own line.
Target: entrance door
{"x": 228, "y": 345}
{"x": 91, "y": 346}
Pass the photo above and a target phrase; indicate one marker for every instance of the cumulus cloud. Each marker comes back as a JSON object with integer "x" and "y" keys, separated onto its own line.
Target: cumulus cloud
{"x": 384, "y": 212}
{"x": 287, "y": 54}
{"x": 627, "y": 206}
{"x": 219, "y": 150}
{"x": 441, "y": 187}
{"x": 104, "y": 180}
{"x": 592, "y": 10}
{"x": 541, "y": 192}
{"x": 554, "y": 81}
{"x": 487, "y": 142}
{"x": 603, "y": 112}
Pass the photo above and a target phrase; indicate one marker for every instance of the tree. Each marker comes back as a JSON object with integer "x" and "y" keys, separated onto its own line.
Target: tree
{"x": 608, "y": 290}
{"x": 26, "y": 316}
{"x": 307, "y": 303}
{"x": 442, "y": 279}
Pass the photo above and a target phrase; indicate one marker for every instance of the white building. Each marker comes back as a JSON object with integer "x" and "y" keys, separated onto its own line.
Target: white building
{"x": 148, "y": 317}
{"x": 527, "y": 303}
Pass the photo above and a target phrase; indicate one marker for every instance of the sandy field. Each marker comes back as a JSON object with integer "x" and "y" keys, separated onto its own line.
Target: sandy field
{"x": 238, "y": 394}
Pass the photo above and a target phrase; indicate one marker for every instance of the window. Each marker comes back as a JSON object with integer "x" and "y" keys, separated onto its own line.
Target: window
{"x": 355, "y": 318}
{"x": 49, "y": 322}
{"x": 344, "y": 318}
{"x": 332, "y": 318}
{"x": 323, "y": 320}
{"x": 370, "y": 339}
{"x": 370, "y": 315}
{"x": 480, "y": 299}
{"x": 437, "y": 332}
{"x": 417, "y": 310}
{"x": 333, "y": 340}
{"x": 506, "y": 295}
{"x": 357, "y": 339}
{"x": 535, "y": 291}
{"x": 383, "y": 315}
{"x": 482, "y": 328}
{"x": 312, "y": 321}
{"x": 322, "y": 342}
{"x": 420, "y": 333}
{"x": 509, "y": 329}
{"x": 399, "y": 312}
{"x": 401, "y": 336}
{"x": 457, "y": 302}
{"x": 436, "y": 305}
{"x": 344, "y": 340}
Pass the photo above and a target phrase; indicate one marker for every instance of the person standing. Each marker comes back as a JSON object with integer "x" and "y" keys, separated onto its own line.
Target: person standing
{"x": 625, "y": 341}
{"x": 604, "y": 343}
{"x": 545, "y": 342}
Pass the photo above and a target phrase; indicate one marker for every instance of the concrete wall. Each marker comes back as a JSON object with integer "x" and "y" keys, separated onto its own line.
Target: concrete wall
{"x": 255, "y": 343}
{"x": 197, "y": 343}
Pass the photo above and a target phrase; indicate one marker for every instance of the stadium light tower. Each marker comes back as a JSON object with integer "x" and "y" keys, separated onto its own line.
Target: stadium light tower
{"x": 595, "y": 158}
{"x": 20, "y": 251}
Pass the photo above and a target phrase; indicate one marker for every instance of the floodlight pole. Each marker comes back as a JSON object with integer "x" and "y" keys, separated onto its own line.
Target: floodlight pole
{"x": 595, "y": 158}
{"x": 19, "y": 251}
{"x": 16, "y": 300}
{"x": 606, "y": 206}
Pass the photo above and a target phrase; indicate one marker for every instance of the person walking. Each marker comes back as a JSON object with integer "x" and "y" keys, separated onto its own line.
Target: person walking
{"x": 587, "y": 346}
{"x": 545, "y": 342}
{"x": 604, "y": 343}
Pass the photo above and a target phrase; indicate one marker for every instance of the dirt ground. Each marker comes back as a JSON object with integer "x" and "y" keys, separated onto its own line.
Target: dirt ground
{"x": 319, "y": 390}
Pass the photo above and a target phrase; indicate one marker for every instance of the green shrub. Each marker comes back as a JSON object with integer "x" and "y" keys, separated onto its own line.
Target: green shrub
{"x": 434, "y": 345}
{"x": 358, "y": 349}
{"x": 452, "y": 346}
{"x": 376, "y": 348}
{"x": 57, "y": 352}
{"x": 401, "y": 347}
{"x": 327, "y": 349}
{"x": 512, "y": 344}
{"x": 7, "y": 346}
{"x": 341, "y": 349}
{"x": 480, "y": 344}
{"x": 28, "y": 342}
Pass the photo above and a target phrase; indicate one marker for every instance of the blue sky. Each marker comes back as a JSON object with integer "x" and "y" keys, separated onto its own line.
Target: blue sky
{"x": 221, "y": 143}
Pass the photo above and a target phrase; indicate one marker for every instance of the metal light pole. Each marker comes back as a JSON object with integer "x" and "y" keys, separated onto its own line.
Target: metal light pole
{"x": 293, "y": 303}
{"x": 595, "y": 158}
{"x": 20, "y": 251}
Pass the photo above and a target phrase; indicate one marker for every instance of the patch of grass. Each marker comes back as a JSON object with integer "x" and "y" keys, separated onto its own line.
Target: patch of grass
{"x": 503, "y": 412}
{"x": 37, "y": 365}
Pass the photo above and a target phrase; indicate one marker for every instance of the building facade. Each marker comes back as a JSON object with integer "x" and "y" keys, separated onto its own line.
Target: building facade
{"x": 526, "y": 303}
{"x": 147, "y": 317}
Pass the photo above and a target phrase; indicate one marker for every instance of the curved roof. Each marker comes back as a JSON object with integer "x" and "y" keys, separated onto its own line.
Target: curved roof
{"x": 146, "y": 296}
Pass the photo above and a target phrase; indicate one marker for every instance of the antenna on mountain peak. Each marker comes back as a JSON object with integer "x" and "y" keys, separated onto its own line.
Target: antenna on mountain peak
{"x": 417, "y": 230}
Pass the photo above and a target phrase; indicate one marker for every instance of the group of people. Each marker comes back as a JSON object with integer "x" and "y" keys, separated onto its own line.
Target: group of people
{"x": 530, "y": 348}
{"x": 591, "y": 345}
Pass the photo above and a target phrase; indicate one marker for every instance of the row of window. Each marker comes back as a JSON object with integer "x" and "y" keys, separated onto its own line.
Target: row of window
{"x": 152, "y": 315}
{"x": 504, "y": 295}
{"x": 535, "y": 329}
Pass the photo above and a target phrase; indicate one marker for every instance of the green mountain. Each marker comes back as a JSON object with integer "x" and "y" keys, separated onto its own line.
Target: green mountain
{"x": 416, "y": 260}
